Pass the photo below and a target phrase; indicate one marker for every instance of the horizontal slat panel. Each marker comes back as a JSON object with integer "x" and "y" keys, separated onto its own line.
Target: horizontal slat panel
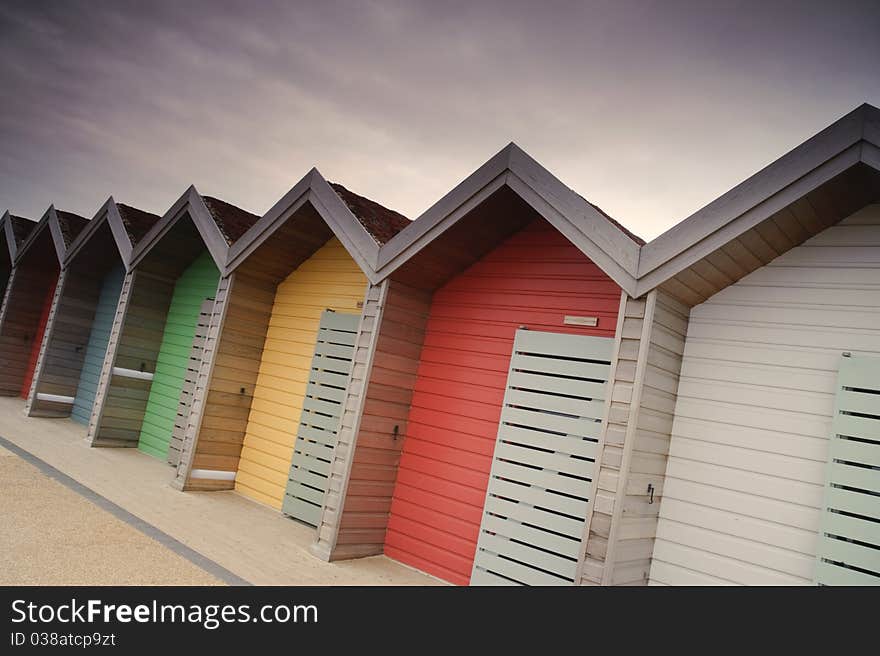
{"x": 830, "y": 574}
{"x": 853, "y": 426}
{"x": 585, "y": 426}
{"x": 839, "y": 557}
{"x": 557, "y": 385}
{"x": 571, "y": 445}
{"x": 538, "y": 537}
{"x": 854, "y": 555}
{"x": 321, "y": 415}
{"x": 863, "y": 453}
{"x": 555, "y": 403}
{"x": 520, "y": 573}
{"x": 524, "y": 553}
{"x": 545, "y": 438}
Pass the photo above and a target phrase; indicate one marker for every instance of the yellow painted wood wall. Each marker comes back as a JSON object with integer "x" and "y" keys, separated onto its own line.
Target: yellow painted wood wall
{"x": 329, "y": 279}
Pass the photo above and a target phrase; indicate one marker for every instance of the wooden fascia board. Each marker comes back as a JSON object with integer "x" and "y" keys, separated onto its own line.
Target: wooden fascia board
{"x": 39, "y": 226}
{"x": 9, "y": 236}
{"x": 539, "y": 203}
{"x": 345, "y": 225}
{"x": 109, "y": 214}
{"x": 610, "y": 265}
{"x": 599, "y": 239}
{"x": 870, "y": 155}
{"x": 120, "y": 234}
{"x": 425, "y": 236}
{"x": 57, "y": 237}
{"x": 267, "y": 224}
{"x": 784, "y": 172}
{"x": 160, "y": 228}
{"x": 190, "y": 202}
{"x": 693, "y": 251}
{"x": 577, "y": 211}
{"x": 314, "y": 189}
{"x": 213, "y": 239}
{"x": 439, "y": 214}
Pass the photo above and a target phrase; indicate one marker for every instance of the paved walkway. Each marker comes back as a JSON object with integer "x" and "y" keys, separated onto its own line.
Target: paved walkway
{"x": 237, "y": 536}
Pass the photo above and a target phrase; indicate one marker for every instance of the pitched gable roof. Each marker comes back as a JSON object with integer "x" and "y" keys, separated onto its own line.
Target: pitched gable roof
{"x": 15, "y": 229}
{"x": 359, "y": 223}
{"x": 218, "y": 223}
{"x": 137, "y": 222}
{"x": 70, "y": 225}
{"x": 121, "y": 228}
{"x": 613, "y": 249}
{"x": 849, "y": 147}
{"x": 63, "y": 227}
{"x": 21, "y": 227}
{"x": 381, "y": 222}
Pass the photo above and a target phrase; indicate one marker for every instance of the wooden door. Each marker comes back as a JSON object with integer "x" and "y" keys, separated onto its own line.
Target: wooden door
{"x": 538, "y": 497}
{"x": 849, "y": 541}
{"x": 318, "y": 426}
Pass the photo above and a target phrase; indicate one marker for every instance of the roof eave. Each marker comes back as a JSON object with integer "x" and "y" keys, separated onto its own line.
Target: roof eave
{"x": 844, "y": 136}
{"x": 598, "y": 238}
{"x": 32, "y": 236}
{"x": 853, "y": 139}
{"x": 189, "y": 202}
{"x": 8, "y": 235}
{"x": 104, "y": 214}
{"x": 314, "y": 189}
{"x": 57, "y": 236}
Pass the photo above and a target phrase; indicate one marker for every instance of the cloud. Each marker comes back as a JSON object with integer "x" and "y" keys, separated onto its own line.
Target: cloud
{"x": 649, "y": 109}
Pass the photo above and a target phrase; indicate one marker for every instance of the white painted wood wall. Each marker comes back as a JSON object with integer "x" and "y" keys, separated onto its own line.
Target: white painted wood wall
{"x": 745, "y": 474}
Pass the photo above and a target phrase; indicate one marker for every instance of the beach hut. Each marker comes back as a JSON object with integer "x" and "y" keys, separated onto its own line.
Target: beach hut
{"x": 476, "y": 418}
{"x": 13, "y": 231}
{"x": 173, "y": 278}
{"x": 280, "y": 349}
{"x": 770, "y": 306}
{"x": 28, "y": 297}
{"x": 78, "y": 327}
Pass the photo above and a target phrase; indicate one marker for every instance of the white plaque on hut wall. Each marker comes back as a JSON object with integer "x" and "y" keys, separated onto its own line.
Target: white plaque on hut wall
{"x": 581, "y": 321}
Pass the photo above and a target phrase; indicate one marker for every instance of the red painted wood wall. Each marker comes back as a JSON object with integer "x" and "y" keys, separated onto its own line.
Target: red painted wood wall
{"x": 38, "y": 341}
{"x": 534, "y": 278}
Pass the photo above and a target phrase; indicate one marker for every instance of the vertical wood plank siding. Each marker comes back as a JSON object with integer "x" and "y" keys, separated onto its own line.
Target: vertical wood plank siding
{"x": 534, "y": 278}
{"x": 745, "y": 479}
{"x": 25, "y": 301}
{"x": 328, "y": 279}
{"x": 7, "y": 293}
{"x": 198, "y": 282}
{"x": 364, "y": 468}
{"x": 623, "y": 527}
{"x": 99, "y": 337}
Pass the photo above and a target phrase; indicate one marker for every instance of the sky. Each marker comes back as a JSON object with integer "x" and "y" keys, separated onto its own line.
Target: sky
{"x": 648, "y": 109}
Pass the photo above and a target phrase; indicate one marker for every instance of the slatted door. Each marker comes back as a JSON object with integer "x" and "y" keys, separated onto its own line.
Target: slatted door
{"x": 322, "y": 412}
{"x": 189, "y": 381}
{"x": 544, "y": 461}
{"x": 849, "y": 543}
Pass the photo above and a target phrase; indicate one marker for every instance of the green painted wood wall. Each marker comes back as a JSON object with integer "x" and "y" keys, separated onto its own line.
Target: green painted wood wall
{"x": 198, "y": 282}
{"x": 97, "y": 346}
